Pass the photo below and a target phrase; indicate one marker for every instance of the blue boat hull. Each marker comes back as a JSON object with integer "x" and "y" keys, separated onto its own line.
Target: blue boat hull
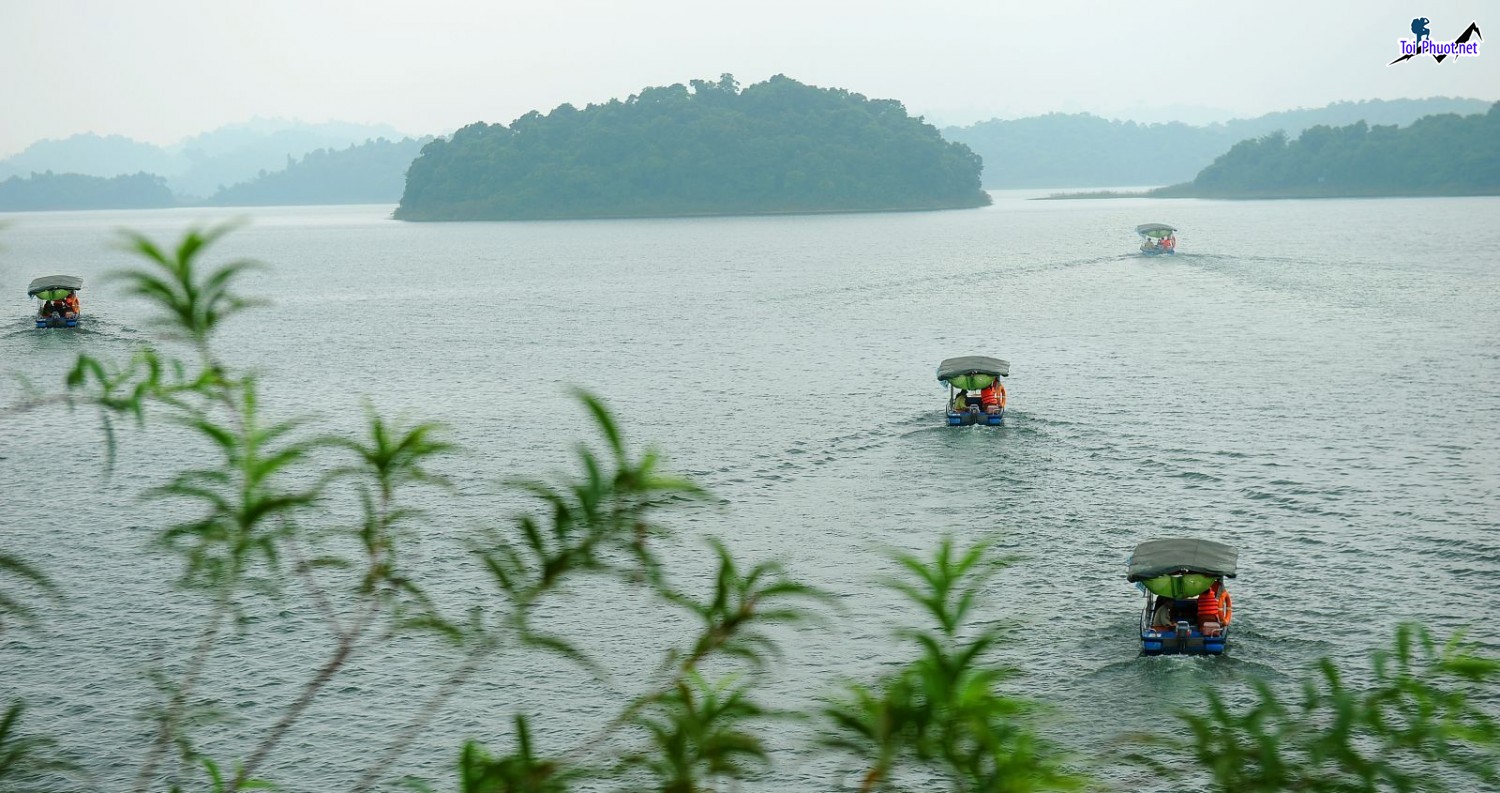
{"x": 47, "y": 322}
{"x": 968, "y": 417}
{"x": 1180, "y": 642}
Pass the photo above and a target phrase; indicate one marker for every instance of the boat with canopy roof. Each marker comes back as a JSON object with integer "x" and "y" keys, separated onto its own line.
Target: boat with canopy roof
{"x": 975, "y": 393}
{"x": 1157, "y": 239}
{"x": 1188, "y": 610}
{"x": 59, "y": 300}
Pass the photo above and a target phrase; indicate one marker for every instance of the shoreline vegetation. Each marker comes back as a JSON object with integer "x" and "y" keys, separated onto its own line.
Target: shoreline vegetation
{"x": 1441, "y": 155}
{"x": 708, "y": 148}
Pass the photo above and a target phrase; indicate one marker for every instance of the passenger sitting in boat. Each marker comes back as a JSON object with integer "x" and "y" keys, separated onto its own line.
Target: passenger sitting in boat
{"x": 1161, "y": 616}
{"x": 992, "y": 398}
{"x": 57, "y": 309}
{"x": 1169, "y": 243}
{"x": 72, "y": 302}
{"x": 1209, "y": 611}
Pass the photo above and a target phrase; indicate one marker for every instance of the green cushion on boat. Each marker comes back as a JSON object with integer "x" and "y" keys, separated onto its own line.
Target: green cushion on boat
{"x": 972, "y": 382}
{"x": 1179, "y": 587}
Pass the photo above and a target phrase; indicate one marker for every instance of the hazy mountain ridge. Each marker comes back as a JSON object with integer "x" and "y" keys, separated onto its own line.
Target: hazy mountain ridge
{"x": 373, "y": 172}
{"x": 197, "y": 166}
{"x": 1084, "y": 150}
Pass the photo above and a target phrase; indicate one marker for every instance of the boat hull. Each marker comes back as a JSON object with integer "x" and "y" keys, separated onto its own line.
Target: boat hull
{"x": 48, "y": 322}
{"x": 1158, "y": 253}
{"x": 968, "y": 417}
{"x": 1183, "y": 641}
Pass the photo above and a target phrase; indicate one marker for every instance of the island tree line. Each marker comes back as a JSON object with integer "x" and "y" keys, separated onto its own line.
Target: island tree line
{"x": 707, "y": 148}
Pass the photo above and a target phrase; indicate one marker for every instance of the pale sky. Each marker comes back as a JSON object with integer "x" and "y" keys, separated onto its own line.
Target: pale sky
{"x": 161, "y": 70}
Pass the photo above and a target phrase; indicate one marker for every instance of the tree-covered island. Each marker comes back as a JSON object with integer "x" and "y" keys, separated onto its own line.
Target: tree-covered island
{"x": 1444, "y": 154}
{"x": 713, "y": 149}
{"x": 59, "y": 191}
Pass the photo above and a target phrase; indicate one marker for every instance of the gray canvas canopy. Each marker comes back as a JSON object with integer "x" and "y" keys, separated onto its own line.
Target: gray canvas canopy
{"x": 1157, "y": 230}
{"x": 48, "y": 283}
{"x": 972, "y": 364}
{"x": 1181, "y": 555}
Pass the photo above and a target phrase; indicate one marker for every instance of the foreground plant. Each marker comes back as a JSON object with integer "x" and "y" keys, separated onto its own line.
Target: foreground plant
{"x": 262, "y": 522}
{"x": 27, "y": 762}
{"x": 942, "y": 715}
{"x": 276, "y": 508}
{"x": 1419, "y": 725}
{"x": 690, "y": 732}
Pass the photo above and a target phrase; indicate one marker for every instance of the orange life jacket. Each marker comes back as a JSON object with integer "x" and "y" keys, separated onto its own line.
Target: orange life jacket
{"x": 1208, "y": 606}
{"x": 993, "y": 394}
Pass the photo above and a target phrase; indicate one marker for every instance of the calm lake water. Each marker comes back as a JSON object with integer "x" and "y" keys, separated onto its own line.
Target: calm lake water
{"x": 1315, "y": 382}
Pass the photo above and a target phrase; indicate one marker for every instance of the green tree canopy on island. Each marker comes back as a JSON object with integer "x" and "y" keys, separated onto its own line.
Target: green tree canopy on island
{"x": 1085, "y": 150}
{"x": 707, "y": 148}
{"x": 1437, "y": 155}
{"x": 59, "y": 191}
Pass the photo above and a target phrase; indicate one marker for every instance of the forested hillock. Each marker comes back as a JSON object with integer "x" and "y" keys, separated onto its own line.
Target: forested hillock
{"x": 776, "y": 146}
{"x": 1436, "y": 155}
{"x": 1083, "y": 150}
{"x": 47, "y": 191}
{"x": 371, "y": 173}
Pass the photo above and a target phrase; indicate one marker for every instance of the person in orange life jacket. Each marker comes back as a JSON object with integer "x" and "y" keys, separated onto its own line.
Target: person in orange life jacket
{"x": 992, "y": 397}
{"x": 1169, "y": 243}
{"x": 72, "y": 303}
{"x": 1210, "y": 609}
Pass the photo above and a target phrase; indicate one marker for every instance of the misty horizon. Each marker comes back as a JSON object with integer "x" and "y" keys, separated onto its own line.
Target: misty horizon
{"x": 1178, "y": 114}
{"x": 436, "y": 69}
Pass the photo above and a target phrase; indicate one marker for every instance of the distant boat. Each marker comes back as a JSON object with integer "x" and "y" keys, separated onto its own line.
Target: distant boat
{"x": 975, "y": 393}
{"x": 58, "y": 295}
{"x": 1157, "y": 239}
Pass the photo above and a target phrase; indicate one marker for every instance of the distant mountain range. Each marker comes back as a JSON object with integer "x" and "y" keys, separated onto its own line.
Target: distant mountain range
{"x": 199, "y": 166}
{"x": 1083, "y": 150}
{"x": 275, "y": 162}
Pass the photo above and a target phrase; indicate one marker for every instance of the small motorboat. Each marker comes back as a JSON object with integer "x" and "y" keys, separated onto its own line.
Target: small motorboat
{"x": 975, "y": 393}
{"x": 1157, "y": 239}
{"x": 59, "y": 300}
{"x": 1187, "y": 607}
